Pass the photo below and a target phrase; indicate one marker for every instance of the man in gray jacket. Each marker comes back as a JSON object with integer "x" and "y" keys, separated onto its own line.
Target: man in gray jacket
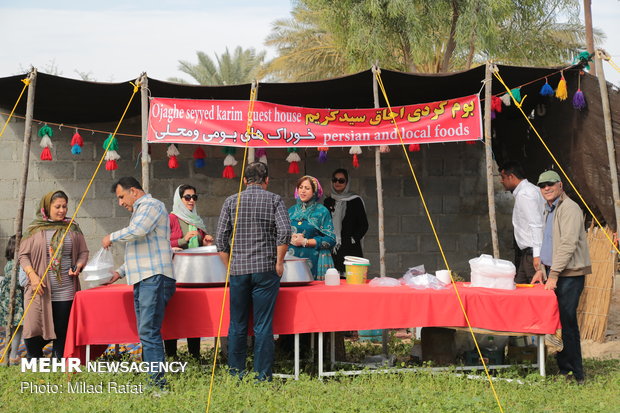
{"x": 566, "y": 257}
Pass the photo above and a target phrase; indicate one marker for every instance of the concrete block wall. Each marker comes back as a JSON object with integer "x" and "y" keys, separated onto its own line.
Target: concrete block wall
{"x": 452, "y": 178}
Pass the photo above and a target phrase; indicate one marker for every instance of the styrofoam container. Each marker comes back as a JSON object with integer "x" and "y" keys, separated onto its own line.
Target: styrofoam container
{"x": 490, "y": 272}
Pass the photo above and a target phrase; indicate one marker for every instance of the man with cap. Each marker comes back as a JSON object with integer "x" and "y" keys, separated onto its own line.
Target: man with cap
{"x": 527, "y": 220}
{"x": 566, "y": 258}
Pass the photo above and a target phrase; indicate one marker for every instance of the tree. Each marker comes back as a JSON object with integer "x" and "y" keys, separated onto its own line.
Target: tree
{"x": 425, "y": 36}
{"x": 240, "y": 67}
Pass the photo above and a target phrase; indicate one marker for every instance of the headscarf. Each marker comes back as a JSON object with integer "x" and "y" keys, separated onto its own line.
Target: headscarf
{"x": 310, "y": 211}
{"x": 43, "y": 222}
{"x": 340, "y": 209}
{"x": 180, "y": 210}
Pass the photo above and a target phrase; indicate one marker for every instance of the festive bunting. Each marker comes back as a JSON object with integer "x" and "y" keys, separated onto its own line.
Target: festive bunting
{"x": 516, "y": 93}
{"x": 546, "y": 89}
{"x": 172, "y": 153}
{"x": 506, "y": 99}
{"x": 229, "y": 163}
{"x": 355, "y": 150}
{"x": 293, "y": 159}
{"x": 414, "y": 147}
{"x": 384, "y": 148}
{"x": 111, "y": 156}
{"x": 561, "y": 92}
{"x": 579, "y": 100}
{"x": 261, "y": 154}
{"x": 323, "y": 153}
{"x": 76, "y": 143}
{"x": 45, "y": 133}
{"x": 199, "y": 157}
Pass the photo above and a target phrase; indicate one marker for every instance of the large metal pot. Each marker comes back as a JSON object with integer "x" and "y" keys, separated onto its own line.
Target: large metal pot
{"x": 296, "y": 272}
{"x": 198, "y": 267}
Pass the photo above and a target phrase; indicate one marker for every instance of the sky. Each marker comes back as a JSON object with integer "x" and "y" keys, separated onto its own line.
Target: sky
{"x": 115, "y": 41}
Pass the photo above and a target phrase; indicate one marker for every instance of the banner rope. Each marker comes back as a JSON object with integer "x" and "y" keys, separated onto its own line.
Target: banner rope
{"x": 64, "y": 235}
{"x": 253, "y": 93}
{"x": 495, "y": 71}
{"x": 430, "y": 220}
{"x": 26, "y": 82}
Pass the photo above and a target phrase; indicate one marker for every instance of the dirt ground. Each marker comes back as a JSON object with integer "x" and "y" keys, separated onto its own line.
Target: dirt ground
{"x": 610, "y": 348}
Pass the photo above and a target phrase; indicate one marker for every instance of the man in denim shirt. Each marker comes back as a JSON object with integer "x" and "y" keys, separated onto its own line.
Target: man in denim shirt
{"x": 147, "y": 266}
{"x": 263, "y": 232}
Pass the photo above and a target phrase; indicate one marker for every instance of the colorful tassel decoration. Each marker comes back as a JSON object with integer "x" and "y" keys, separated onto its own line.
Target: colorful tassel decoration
{"x": 561, "y": 92}
{"x": 516, "y": 93}
{"x": 384, "y": 148}
{"x": 579, "y": 100}
{"x": 76, "y": 143}
{"x": 506, "y": 99}
{"x": 323, "y": 153}
{"x": 293, "y": 159}
{"x": 45, "y": 133}
{"x": 471, "y": 142}
{"x": 229, "y": 163}
{"x": 172, "y": 153}
{"x": 261, "y": 154}
{"x": 414, "y": 147}
{"x": 355, "y": 150}
{"x": 111, "y": 156}
{"x": 199, "y": 157}
{"x": 496, "y": 104}
{"x": 546, "y": 89}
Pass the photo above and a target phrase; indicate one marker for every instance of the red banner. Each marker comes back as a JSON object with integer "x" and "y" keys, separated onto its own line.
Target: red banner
{"x": 224, "y": 122}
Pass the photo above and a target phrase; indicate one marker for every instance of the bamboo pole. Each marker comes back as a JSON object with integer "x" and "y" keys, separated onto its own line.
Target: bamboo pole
{"x": 21, "y": 201}
{"x": 609, "y": 134}
{"x": 378, "y": 177}
{"x": 488, "y": 82}
{"x": 587, "y": 15}
{"x": 144, "y": 95}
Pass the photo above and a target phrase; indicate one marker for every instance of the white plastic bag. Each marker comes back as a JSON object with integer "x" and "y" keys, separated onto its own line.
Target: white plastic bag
{"x": 99, "y": 267}
{"x": 490, "y": 272}
{"x": 423, "y": 281}
{"x": 384, "y": 282}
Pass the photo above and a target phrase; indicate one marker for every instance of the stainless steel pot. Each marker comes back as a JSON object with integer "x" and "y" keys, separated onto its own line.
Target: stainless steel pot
{"x": 296, "y": 272}
{"x": 198, "y": 267}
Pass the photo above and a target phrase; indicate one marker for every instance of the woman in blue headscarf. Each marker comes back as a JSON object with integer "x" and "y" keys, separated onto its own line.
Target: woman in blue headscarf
{"x": 313, "y": 231}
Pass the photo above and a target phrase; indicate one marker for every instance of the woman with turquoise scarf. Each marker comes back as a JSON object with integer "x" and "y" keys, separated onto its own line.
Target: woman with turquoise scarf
{"x": 313, "y": 231}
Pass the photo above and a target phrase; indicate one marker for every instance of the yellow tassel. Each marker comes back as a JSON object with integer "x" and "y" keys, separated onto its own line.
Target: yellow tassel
{"x": 561, "y": 92}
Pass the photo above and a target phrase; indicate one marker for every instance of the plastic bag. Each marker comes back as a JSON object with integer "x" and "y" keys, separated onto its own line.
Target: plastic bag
{"x": 412, "y": 272}
{"x": 99, "y": 267}
{"x": 490, "y": 272}
{"x": 384, "y": 282}
{"x": 420, "y": 282}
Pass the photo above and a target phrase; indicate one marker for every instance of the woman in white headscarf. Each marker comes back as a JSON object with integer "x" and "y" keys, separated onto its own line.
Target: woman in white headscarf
{"x": 349, "y": 218}
{"x": 187, "y": 230}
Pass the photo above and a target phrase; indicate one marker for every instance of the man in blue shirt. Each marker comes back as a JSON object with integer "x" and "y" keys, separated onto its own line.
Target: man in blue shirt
{"x": 147, "y": 266}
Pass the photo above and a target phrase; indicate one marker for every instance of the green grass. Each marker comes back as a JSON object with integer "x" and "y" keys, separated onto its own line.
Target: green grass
{"x": 406, "y": 392}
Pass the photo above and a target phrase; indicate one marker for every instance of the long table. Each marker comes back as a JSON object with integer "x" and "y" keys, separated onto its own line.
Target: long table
{"x": 105, "y": 315}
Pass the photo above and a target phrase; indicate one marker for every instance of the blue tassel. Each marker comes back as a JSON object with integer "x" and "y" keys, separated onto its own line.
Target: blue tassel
{"x": 546, "y": 90}
{"x": 199, "y": 162}
{"x": 579, "y": 100}
{"x": 76, "y": 149}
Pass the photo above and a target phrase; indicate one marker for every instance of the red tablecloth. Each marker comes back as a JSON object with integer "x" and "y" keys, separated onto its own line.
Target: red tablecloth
{"x": 105, "y": 315}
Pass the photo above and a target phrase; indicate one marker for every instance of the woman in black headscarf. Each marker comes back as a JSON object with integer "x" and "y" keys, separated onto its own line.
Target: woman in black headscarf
{"x": 349, "y": 218}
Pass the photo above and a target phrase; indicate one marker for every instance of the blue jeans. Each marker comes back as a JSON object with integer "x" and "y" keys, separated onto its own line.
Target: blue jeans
{"x": 258, "y": 290}
{"x": 150, "y": 297}
{"x": 568, "y": 291}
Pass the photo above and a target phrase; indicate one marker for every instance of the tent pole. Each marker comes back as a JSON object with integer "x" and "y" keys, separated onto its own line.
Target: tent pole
{"x": 609, "y": 132}
{"x": 488, "y": 150}
{"x": 144, "y": 95}
{"x": 251, "y": 150}
{"x": 21, "y": 201}
{"x": 380, "y": 229}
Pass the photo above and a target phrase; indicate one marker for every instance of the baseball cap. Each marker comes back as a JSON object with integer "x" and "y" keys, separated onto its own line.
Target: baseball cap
{"x": 549, "y": 176}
